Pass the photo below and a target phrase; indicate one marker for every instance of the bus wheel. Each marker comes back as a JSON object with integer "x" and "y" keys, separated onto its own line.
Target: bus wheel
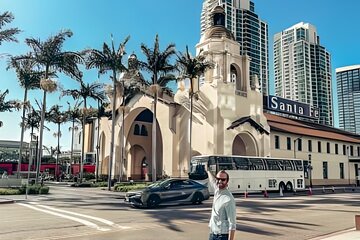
{"x": 282, "y": 187}
{"x": 289, "y": 187}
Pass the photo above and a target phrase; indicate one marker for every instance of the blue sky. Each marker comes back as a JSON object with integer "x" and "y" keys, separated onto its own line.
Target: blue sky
{"x": 176, "y": 21}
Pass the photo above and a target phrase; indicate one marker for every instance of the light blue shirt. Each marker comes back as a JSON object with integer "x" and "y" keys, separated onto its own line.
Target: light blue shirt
{"x": 223, "y": 214}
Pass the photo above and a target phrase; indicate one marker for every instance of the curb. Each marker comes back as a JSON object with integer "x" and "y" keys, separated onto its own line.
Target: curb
{"x": 333, "y": 234}
{"x": 7, "y": 201}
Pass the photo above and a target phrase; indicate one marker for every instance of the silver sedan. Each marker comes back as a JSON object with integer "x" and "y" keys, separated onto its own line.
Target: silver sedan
{"x": 169, "y": 190}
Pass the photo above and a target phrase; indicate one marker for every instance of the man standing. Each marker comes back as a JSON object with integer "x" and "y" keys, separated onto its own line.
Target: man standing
{"x": 223, "y": 215}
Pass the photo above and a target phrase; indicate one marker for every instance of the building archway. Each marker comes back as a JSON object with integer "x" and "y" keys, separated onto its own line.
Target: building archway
{"x": 244, "y": 144}
{"x": 138, "y": 145}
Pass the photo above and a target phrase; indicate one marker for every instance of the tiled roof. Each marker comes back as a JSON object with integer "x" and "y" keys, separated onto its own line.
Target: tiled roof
{"x": 283, "y": 124}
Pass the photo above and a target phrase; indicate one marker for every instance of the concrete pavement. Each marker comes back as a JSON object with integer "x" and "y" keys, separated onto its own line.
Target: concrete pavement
{"x": 348, "y": 234}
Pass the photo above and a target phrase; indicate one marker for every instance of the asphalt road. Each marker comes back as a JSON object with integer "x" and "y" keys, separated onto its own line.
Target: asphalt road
{"x": 69, "y": 213}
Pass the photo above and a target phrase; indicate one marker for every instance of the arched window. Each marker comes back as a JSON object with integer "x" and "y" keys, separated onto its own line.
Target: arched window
{"x": 143, "y": 130}
{"x": 136, "y": 129}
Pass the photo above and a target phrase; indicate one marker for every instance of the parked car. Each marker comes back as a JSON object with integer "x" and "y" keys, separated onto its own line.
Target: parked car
{"x": 169, "y": 190}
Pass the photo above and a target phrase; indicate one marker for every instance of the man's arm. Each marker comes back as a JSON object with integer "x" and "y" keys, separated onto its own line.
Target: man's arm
{"x": 231, "y": 234}
{"x": 212, "y": 179}
{"x": 231, "y": 213}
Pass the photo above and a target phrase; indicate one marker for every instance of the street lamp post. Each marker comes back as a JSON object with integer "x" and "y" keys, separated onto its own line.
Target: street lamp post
{"x": 295, "y": 140}
{"x": 310, "y": 170}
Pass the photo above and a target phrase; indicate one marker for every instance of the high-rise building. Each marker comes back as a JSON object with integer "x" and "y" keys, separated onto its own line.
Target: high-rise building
{"x": 348, "y": 91}
{"x": 302, "y": 69}
{"x": 248, "y": 30}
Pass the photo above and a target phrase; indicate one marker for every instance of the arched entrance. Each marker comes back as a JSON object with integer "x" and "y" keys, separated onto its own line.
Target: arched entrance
{"x": 244, "y": 144}
{"x": 138, "y": 167}
{"x": 138, "y": 147}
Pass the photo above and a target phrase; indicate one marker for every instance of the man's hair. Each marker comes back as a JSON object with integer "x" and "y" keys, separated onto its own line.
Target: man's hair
{"x": 227, "y": 175}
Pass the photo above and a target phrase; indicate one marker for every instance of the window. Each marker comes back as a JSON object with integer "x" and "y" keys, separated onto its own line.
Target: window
{"x": 328, "y": 147}
{"x": 288, "y": 143}
{"x": 341, "y": 165}
{"x": 309, "y": 145}
{"x": 143, "y": 131}
{"x": 344, "y": 149}
{"x": 137, "y": 129}
{"x": 325, "y": 170}
{"x": 319, "y": 146}
{"x": 299, "y": 144}
{"x": 336, "y": 148}
{"x": 358, "y": 151}
{"x": 277, "y": 142}
{"x": 351, "y": 150}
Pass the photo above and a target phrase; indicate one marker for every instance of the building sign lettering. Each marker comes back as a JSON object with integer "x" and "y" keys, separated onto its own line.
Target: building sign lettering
{"x": 283, "y": 105}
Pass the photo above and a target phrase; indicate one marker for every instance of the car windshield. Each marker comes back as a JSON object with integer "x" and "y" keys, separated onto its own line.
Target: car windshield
{"x": 160, "y": 183}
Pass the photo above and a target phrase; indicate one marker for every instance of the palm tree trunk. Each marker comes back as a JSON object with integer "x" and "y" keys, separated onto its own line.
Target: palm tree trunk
{"x": 97, "y": 147}
{"x": 72, "y": 145}
{"x": 39, "y": 153}
{"x": 22, "y": 134}
{"x": 57, "y": 152}
{"x": 122, "y": 141}
{"x": 154, "y": 140}
{"x": 113, "y": 120}
{"x": 30, "y": 162}
{"x": 190, "y": 127}
{"x": 83, "y": 143}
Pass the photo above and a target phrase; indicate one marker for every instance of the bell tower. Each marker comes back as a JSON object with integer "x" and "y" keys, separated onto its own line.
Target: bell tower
{"x": 231, "y": 97}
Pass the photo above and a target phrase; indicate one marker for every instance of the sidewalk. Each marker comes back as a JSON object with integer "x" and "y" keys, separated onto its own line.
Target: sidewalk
{"x": 349, "y": 234}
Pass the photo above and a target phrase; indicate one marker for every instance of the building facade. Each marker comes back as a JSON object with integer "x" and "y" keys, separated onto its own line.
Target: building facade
{"x": 228, "y": 119}
{"x": 248, "y": 29}
{"x": 348, "y": 91}
{"x": 302, "y": 69}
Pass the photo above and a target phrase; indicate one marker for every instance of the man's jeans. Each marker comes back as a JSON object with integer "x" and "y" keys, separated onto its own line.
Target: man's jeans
{"x": 218, "y": 236}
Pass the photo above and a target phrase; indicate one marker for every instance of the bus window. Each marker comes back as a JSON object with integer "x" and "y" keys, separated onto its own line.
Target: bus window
{"x": 273, "y": 164}
{"x": 298, "y": 165}
{"x": 241, "y": 163}
{"x": 287, "y": 166}
{"x": 256, "y": 164}
{"x": 225, "y": 163}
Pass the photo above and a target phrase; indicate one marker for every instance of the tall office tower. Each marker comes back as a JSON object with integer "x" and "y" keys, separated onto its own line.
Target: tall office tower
{"x": 348, "y": 91}
{"x": 302, "y": 69}
{"x": 248, "y": 30}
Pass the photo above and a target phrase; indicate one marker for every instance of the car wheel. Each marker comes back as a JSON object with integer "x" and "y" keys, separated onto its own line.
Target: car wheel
{"x": 153, "y": 201}
{"x": 198, "y": 198}
{"x": 289, "y": 187}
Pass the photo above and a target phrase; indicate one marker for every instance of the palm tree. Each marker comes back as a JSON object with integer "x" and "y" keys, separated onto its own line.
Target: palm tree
{"x": 8, "y": 105}
{"x": 29, "y": 79}
{"x": 58, "y": 117}
{"x": 100, "y": 113}
{"x": 50, "y": 58}
{"x": 192, "y": 68}
{"x": 74, "y": 115}
{"x": 94, "y": 91}
{"x": 158, "y": 65}
{"x": 109, "y": 59}
{"x": 32, "y": 121}
{"x": 7, "y": 35}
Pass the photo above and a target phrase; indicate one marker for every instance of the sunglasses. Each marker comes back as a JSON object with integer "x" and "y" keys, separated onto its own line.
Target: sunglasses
{"x": 221, "y": 179}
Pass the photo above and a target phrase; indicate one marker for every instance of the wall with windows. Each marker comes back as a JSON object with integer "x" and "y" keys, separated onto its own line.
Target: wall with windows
{"x": 329, "y": 158}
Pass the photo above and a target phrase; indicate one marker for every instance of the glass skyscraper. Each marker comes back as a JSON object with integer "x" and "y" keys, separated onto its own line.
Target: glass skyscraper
{"x": 248, "y": 30}
{"x": 302, "y": 69}
{"x": 348, "y": 91}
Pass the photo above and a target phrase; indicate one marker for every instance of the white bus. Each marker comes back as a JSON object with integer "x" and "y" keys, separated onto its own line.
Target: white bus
{"x": 251, "y": 174}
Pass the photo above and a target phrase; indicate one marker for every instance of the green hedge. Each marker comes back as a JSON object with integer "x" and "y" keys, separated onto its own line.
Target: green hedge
{"x": 33, "y": 189}
{"x": 125, "y": 187}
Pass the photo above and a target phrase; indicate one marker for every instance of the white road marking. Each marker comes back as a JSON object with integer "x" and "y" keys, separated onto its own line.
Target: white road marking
{"x": 77, "y": 214}
{"x": 84, "y": 222}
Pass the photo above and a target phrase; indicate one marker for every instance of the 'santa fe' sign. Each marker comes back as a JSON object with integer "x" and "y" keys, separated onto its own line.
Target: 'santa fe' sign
{"x": 283, "y": 105}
